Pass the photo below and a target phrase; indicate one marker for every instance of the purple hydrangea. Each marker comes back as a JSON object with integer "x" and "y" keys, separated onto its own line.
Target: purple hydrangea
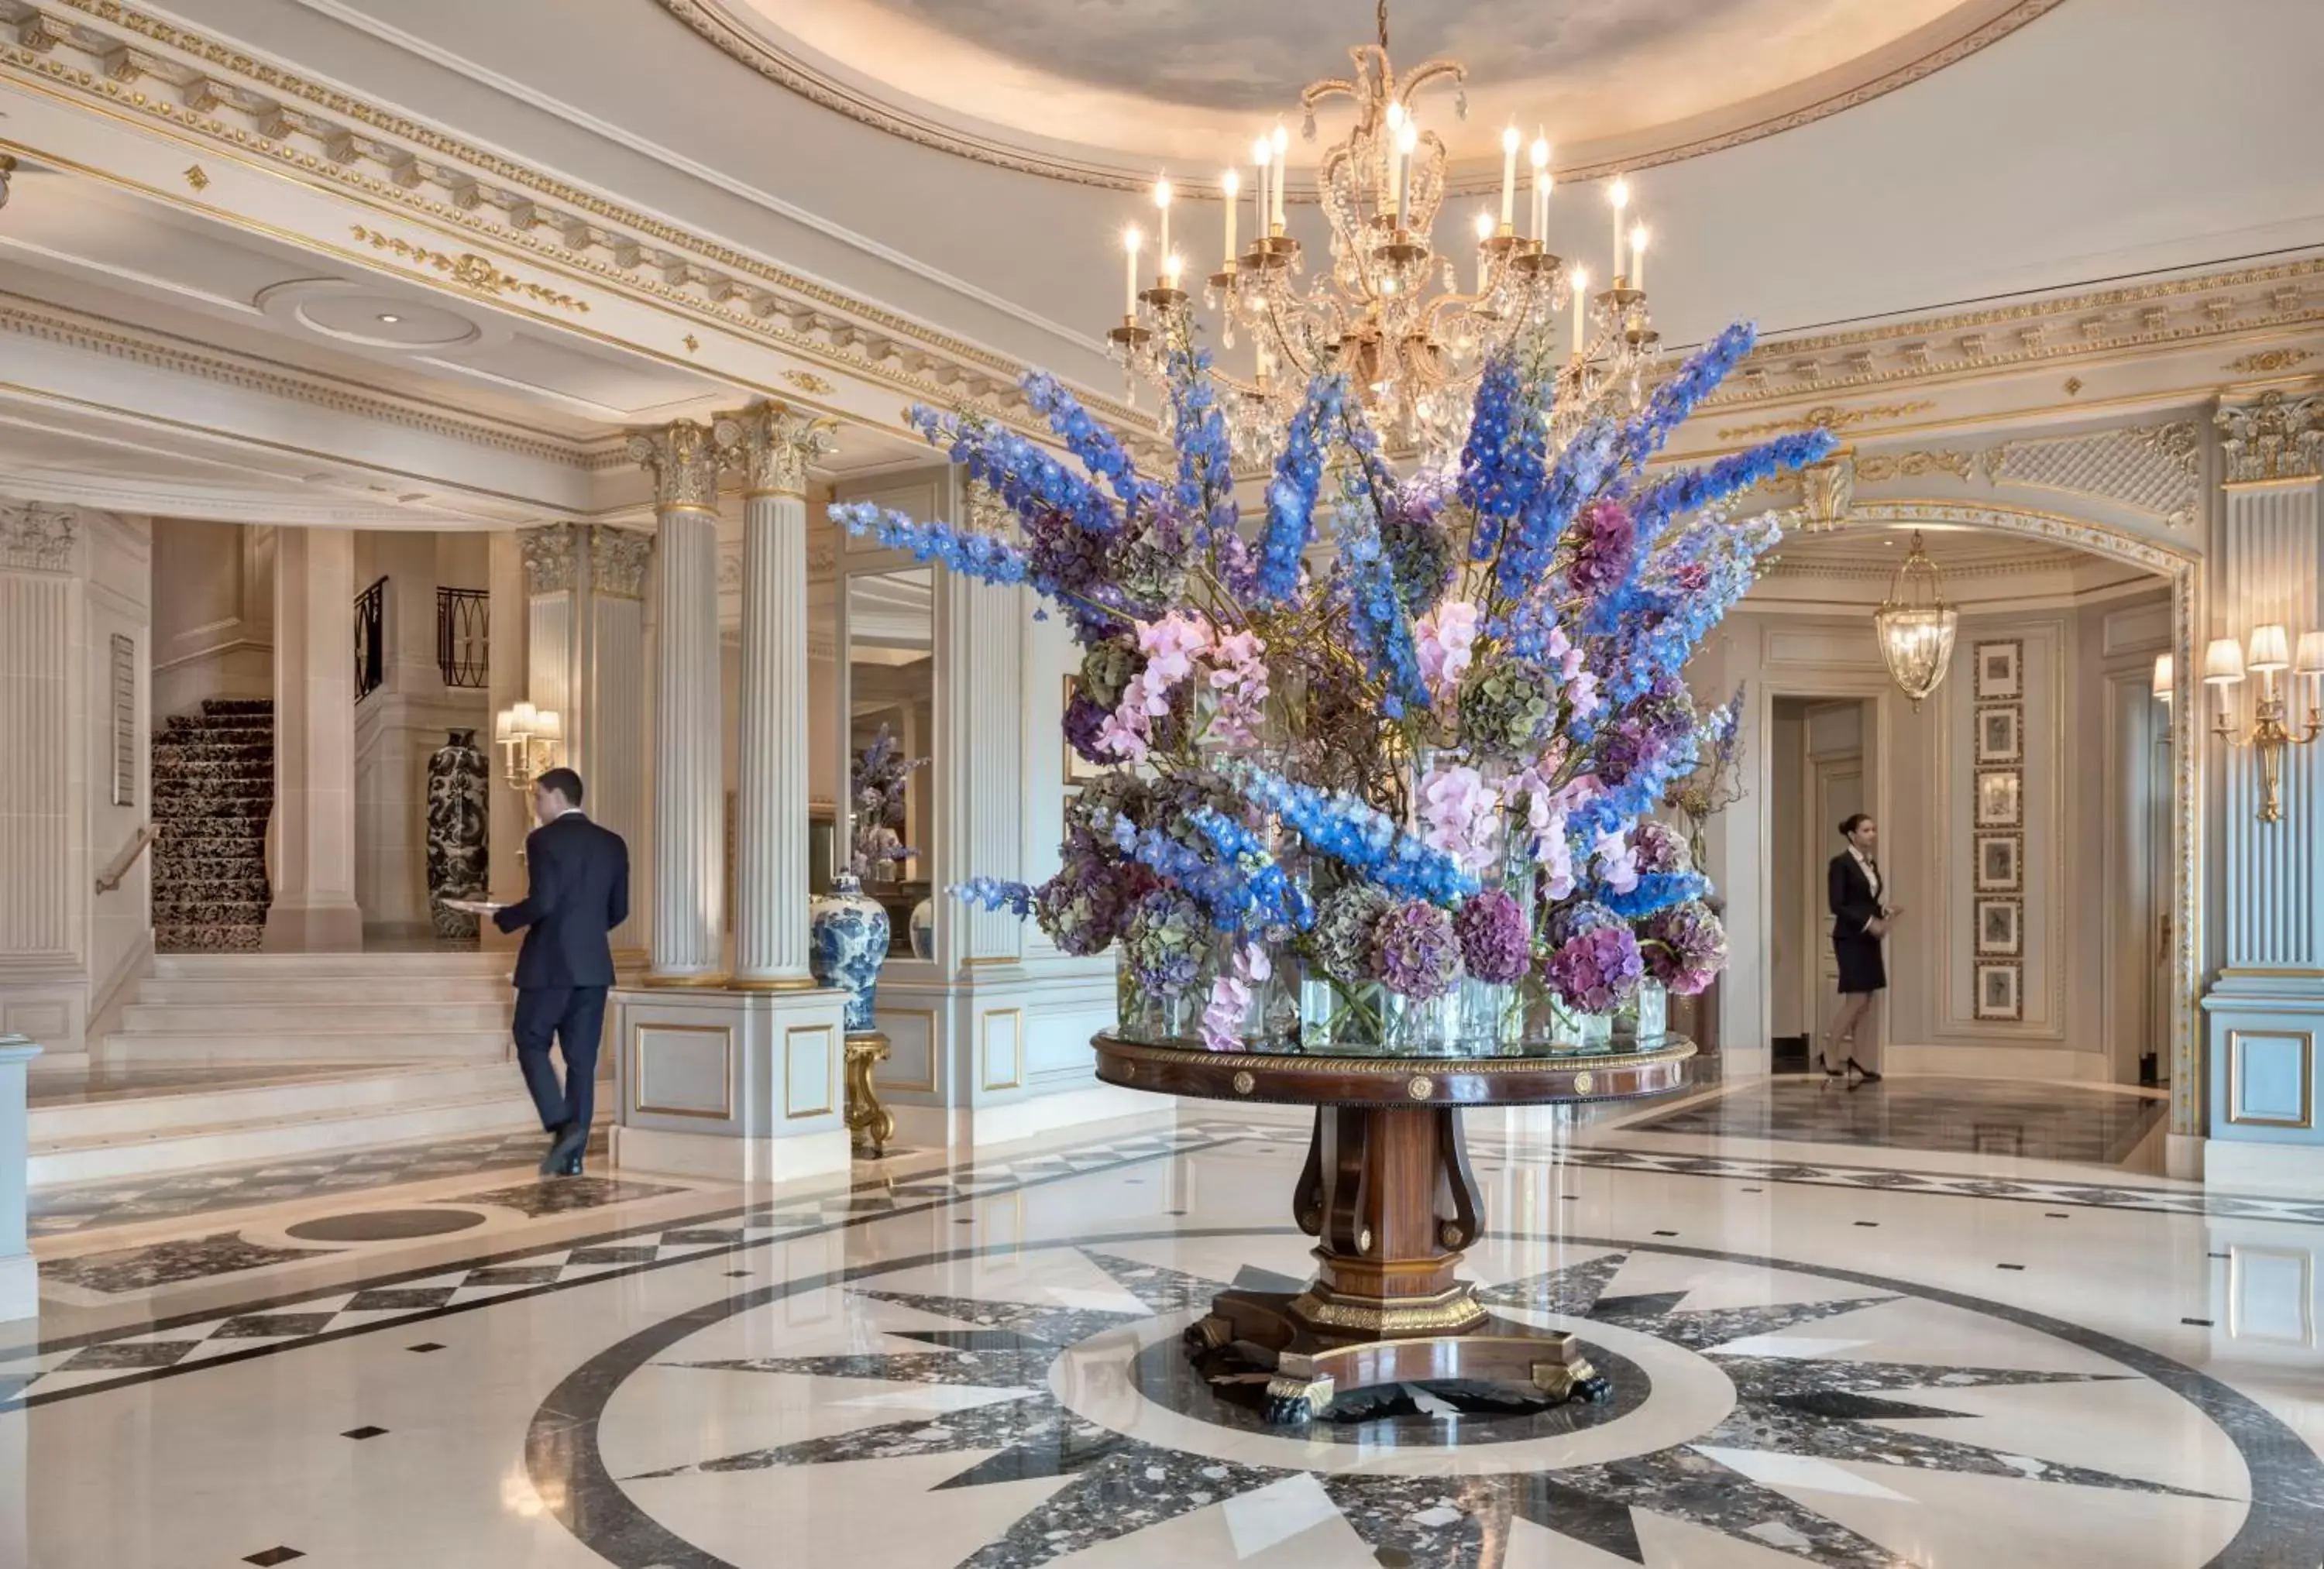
{"x": 1577, "y": 920}
{"x": 1685, "y": 947}
{"x": 1084, "y": 723}
{"x": 1596, "y": 971}
{"x": 1166, "y": 942}
{"x": 1657, "y": 847}
{"x": 1415, "y": 952}
{"x": 1605, "y": 543}
{"x": 1081, "y": 908}
{"x": 1495, "y": 945}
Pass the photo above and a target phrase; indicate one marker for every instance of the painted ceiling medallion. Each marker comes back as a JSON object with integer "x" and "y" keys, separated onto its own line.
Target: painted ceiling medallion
{"x": 1040, "y": 87}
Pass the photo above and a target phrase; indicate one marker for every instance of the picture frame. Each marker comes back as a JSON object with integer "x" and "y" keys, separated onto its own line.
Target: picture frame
{"x": 2000, "y": 734}
{"x": 2000, "y": 928}
{"x": 2000, "y": 863}
{"x": 2000, "y": 991}
{"x": 2000, "y": 670}
{"x": 2000, "y": 798}
{"x": 1079, "y": 770}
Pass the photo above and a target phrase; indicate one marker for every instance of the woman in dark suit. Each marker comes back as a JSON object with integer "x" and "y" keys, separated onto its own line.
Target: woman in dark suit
{"x": 1860, "y": 917}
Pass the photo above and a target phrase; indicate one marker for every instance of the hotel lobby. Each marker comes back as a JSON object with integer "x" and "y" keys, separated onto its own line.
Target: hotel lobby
{"x": 1431, "y": 785}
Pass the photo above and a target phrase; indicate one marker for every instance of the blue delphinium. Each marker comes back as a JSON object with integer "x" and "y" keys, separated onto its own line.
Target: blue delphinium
{"x": 1360, "y": 837}
{"x": 1506, "y": 456}
{"x": 1205, "y": 448}
{"x": 1669, "y": 404}
{"x": 1692, "y": 490}
{"x": 1088, "y": 440}
{"x": 1025, "y": 476}
{"x": 964, "y": 550}
{"x": 1291, "y": 493}
{"x": 1653, "y": 891}
{"x": 995, "y": 894}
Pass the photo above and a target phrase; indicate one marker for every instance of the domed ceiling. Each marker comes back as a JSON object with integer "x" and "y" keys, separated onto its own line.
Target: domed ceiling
{"x": 1107, "y": 90}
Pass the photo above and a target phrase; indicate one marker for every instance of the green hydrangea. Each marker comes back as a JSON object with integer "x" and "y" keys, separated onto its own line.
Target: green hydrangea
{"x": 1506, "y": 709}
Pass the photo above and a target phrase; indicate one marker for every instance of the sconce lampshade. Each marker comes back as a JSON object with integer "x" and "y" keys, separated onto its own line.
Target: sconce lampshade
{"x": 547, "y": 725}
{"x": 2311, "y": 655}
{"x": 2223, "y": 662}
{"x": 2162, "y": 676}
{"x": 2271, "y": 650}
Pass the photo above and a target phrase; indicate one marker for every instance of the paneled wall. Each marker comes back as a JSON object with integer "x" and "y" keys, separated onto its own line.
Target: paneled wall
{"x": 213, "y": 613}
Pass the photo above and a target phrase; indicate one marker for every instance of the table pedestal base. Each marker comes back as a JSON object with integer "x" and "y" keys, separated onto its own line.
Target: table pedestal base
{"x": 1389, "y": 1196}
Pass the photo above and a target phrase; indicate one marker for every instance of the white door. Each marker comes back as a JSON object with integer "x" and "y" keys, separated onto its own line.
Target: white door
{"x": 1836, "y": 789}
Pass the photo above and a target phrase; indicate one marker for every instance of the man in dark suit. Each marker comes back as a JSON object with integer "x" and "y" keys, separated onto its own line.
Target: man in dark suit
{"x": 579, "y": 891}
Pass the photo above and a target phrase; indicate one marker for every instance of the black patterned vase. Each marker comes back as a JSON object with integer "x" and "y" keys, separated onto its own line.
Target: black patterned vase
{"x": 458, "y": 778}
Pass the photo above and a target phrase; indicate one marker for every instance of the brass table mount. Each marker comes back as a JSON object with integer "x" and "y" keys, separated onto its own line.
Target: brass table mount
{"x": 869, "y": 1124}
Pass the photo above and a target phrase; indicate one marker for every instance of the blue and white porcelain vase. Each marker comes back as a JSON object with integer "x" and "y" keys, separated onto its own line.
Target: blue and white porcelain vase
{"x": 848, "y": 943}
{"x": 923, "y": 929}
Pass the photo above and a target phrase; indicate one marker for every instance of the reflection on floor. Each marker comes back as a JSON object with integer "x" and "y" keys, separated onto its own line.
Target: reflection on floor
{"x": 84, "y": 1086}
{"x": 973, "y": 1363}
{"x": 1977, "y": 1117}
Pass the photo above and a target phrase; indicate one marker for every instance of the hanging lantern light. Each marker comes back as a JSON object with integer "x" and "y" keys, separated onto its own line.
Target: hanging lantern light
{"x": 1915, "y": 626}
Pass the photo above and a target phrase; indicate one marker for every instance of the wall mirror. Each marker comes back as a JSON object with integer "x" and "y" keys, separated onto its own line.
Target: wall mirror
{"x": 891, "y": 639}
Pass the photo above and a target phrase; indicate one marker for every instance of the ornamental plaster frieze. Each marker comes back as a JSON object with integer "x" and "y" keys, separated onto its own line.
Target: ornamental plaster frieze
{"x": 51, "y": 324}
{"x": 210, "y": 97}
{"x": 37, "y": 538}
{"x": 2168, "y": 313}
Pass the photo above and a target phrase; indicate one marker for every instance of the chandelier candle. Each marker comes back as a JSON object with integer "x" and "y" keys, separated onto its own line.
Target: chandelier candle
{"x": 1510, "y": 178}
{"x": 1230, "y": 184}
{"x": 1162, "y": 206}
{"x": 1129, "y": 239}
{"x": 1541, "y": 186}
{"x": 1282, "y": 161}
{"x": 1262, "y": 153}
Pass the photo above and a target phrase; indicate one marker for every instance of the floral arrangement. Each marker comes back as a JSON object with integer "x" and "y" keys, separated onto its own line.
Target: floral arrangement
{"x": 876, "y": 781}
{"x": 1717, "y": 782}
{"x": 1397, "y": 747}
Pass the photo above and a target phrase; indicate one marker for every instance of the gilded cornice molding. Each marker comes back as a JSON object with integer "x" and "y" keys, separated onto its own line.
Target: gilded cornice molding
{"x": 710, "y": 20}
{"x": 37, "y": 538}
{"x": 206, "y": 94}
{"x": 51, "y": 324}
{"x": 682, "y": 457}
{"x": 2271, "y": 438}
{"x": 775, "y": 445}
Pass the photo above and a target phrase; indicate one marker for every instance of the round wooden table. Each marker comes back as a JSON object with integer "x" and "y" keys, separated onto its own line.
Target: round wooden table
{"x": 1389, "y": 1194}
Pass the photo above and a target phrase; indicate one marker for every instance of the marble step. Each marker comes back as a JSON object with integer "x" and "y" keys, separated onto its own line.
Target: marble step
{"x": 274, "y": 1136}
{"x": 389, "y": 966}
{"x": 289, "y": 988}
{"x": 420, "y": 1012}
{"x": 170, "y": 939}
{"x": 334, "y": 1044}
{"x": 246, "y": 1092}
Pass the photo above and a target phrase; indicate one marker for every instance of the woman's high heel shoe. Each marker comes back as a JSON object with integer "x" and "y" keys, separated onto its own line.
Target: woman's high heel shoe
{"x": 1863, "y": 1072}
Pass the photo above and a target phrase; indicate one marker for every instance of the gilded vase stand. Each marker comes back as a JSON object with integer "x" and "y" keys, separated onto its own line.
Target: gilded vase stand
{"x": 1389, "y": 1196}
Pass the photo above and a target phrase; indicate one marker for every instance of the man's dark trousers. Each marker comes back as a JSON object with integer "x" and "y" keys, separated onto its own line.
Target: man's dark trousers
{"x": 574, "y": 1017}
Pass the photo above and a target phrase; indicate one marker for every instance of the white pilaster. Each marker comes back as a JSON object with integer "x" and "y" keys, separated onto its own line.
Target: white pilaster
{"x": 506, "y": 816}
{"x": 776, "y": 445}
{"x": 20, "y": 1287}
{"x": 690, "y": 826}
{"x": 44, "y": 959}
{"x": 314, "y": 875}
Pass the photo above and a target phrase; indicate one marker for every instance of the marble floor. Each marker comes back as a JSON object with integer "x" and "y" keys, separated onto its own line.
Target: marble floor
{"x": 1828, "y": 1345}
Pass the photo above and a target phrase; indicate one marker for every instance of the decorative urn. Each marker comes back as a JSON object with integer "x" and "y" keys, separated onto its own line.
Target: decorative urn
{"x": 848, "y": 943}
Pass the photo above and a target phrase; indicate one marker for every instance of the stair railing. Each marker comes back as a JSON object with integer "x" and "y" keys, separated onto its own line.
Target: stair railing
{"x": 111, "y": 877}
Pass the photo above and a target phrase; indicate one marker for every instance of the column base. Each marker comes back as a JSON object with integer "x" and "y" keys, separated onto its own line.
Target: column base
{"x": 744, "y": 1086}
{"x": 335, "y": 927}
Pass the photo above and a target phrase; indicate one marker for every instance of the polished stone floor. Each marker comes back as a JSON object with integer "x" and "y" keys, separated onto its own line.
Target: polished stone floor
{"x": 1872, "y": 1355}
{"x": 2049, "y": 1122}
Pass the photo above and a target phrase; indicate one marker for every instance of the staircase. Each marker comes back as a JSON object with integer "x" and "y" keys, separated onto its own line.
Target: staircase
{"x": 370, "y": 1048}
{"x": 213, "y": 791}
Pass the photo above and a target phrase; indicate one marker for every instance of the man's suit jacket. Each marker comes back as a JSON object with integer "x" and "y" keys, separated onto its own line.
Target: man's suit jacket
{"x": 579, "y": 892}
{"x": 1854, "y": 903}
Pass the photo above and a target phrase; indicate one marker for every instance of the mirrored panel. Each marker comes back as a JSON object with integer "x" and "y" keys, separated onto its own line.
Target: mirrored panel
{"x": 890, "y": 624}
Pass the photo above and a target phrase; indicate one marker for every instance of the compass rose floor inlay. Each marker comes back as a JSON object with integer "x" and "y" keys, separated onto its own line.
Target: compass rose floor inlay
{"x": 978, "y": 1365}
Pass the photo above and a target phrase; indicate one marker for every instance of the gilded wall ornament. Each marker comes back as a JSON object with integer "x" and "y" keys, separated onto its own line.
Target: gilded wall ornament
{"x": 2269, "y": 359}
{"x": 618, "y": 560}
{"x": 775, "y": 445}
{"x": 809, "y": 382}
{"x": 683, "y": 458}
{"x": 38, "y": 538}
{"x": 2273, "y": 437}
{"x": 470, "y": 271}
{"x": 1827, "y": 416}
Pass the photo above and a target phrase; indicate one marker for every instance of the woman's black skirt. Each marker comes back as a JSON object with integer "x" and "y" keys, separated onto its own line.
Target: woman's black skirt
{"x": 1860, "y": 969}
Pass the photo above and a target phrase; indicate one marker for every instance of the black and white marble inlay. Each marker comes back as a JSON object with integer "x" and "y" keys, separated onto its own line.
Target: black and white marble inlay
{"x": 1806, "y": 1391}
{"x": 1981, "y": 1116}
{"x": 166, "y": 1264}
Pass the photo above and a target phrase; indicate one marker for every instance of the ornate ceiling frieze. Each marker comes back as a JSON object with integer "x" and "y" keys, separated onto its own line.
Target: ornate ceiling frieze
{"x": 208, "y": 94}
{"x": 51, "y": 324}
{"x": 37, "y": 538}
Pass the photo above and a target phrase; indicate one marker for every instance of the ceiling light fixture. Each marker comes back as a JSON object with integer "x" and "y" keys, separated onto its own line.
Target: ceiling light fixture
{"x": 1915, "y": 626}
{"x": 1388, "y": 312}
{"x": 391, "y": 320}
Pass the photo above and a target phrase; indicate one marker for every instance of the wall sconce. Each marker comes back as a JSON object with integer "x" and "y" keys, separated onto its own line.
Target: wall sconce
{"x": 2270, "y": 654}
{"x": 2165, "y": 676}
{"x": 529, "y": 737}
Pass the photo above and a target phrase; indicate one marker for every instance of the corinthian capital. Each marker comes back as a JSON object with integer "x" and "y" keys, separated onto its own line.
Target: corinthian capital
{"x": 684, "y": 461}
{"x": 2271, "y": 438}
{"x": 775, "y": 443}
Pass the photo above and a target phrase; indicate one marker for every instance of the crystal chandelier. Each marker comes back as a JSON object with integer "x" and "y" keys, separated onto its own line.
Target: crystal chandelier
{"x": 1915, "y": 626}
{"x": 1389, "y": 312}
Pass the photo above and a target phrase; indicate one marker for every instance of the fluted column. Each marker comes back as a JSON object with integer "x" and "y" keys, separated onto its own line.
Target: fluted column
{"x": 690, "y": 826}
{"x": 314, "y": 905}
{"x": 775, "y": 445}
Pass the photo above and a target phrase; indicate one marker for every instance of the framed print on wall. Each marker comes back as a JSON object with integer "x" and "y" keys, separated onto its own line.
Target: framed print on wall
{"x": 2000, "y": 798}
{"x": 2000, "y": 675}
{"x": 1997, "y": 994}
{"x": 2000, "y": 863}
{"x": 2000, "y": 928}
{"x": 2000, "y": 737}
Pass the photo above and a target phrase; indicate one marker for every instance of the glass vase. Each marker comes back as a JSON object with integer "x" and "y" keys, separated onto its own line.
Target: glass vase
{"x": 1341, "y": 1019}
